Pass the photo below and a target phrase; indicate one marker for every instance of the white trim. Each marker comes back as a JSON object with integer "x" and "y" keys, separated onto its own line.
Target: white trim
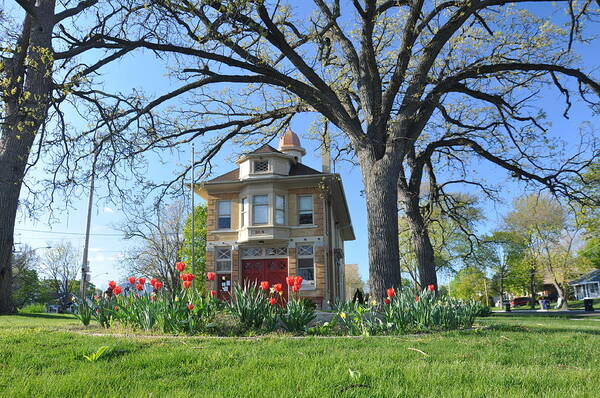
{"x": 303, "y": 226}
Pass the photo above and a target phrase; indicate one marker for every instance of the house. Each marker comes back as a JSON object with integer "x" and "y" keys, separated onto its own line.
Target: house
{"x": 587, "y": 286}
{"x": 271, "y": 217}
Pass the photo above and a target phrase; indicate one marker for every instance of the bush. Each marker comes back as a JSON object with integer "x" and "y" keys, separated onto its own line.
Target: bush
{"x": 35, "y": 308}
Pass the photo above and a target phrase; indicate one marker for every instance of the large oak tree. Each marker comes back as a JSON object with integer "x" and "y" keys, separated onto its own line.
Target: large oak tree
{"x": 408, "y": 87}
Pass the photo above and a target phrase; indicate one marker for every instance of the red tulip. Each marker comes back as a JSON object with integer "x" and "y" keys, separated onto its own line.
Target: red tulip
{"x": 213, "y": 293}
{"x": 153, "y": 281}
{"x": 187, "y": 284}
{"x": 264, "y": 285}
{"x": 142, "y": 281}
{"x": 112, "y": 284}
{"x": 278, "y": 287}
{"x": 211, "y": 276}
{"x": 272, "y": 301}
{"x": 391, "y": 292}
{"x": 417, "y": 299}
{"x": 190, "y": 306}
{"x": 187, "y": 277}
{"x": 131, "y": 280}
{"x": 431, "y": 287}
{"x": 387, "y": 301}
{"x": 290, "y": 280}
{"x": 298, "y": 281}
{"x": 117, "y": 290}
{"x": 296, "y": 288}
{"x": 158, "y": 285}
{"x": 139, "y": 287}
{"x": 180, "y": 266}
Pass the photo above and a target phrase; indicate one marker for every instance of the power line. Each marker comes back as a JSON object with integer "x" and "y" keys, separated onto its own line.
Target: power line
{"x": 63, "y": 232}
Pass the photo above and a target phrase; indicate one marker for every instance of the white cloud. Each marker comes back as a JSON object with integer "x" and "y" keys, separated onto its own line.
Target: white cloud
{"x": 108, "y": 210}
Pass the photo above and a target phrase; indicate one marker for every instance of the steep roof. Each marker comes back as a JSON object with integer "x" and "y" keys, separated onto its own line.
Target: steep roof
{"x": 265, "y": 149}
{"x": 591, "y": 277}
{"x": 297, "y": 169}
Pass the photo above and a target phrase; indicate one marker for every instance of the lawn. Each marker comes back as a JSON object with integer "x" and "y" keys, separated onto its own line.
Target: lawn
{"x": 42, "y": 356}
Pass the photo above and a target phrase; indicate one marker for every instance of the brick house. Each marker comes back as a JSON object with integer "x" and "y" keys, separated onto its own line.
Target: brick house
{"x": 272, "y": 217}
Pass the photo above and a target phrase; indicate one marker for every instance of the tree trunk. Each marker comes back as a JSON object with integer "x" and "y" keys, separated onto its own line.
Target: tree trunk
{"x": 380, "y": 180}
{"x": 562, "y": 294}
{"x": 532, "y": 288}
{"x": 420, "y": 238}
{"x": 29, "y": 72}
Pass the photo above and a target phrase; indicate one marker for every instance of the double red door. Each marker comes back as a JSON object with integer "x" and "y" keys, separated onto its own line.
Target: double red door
{"x": 272, "y": 270}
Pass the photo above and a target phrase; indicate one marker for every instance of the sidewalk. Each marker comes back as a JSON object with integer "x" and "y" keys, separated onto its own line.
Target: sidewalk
{"x": 571, "y": 313}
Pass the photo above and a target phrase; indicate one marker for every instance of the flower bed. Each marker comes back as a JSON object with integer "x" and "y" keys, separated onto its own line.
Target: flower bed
{"x": 261, "y": 308}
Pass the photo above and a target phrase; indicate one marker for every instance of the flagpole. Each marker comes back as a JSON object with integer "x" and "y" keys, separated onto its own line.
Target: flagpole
{"x": 193, "y": 221}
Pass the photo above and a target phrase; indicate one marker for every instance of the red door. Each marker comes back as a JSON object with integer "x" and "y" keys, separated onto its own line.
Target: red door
{"x": 272, "y": 270}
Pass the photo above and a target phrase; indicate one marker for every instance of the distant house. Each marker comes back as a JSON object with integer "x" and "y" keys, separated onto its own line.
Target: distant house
{"x": 588, "y": 286}
{"x": 272, "y": 217}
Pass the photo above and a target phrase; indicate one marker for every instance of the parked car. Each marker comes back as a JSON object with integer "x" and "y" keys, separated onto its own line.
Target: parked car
{"x": 519, "y": 301}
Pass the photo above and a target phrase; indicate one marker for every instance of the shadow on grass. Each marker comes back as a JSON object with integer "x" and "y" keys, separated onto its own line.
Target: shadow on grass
{"x": 539, "y": 330}
{"x": 46, "y": 316}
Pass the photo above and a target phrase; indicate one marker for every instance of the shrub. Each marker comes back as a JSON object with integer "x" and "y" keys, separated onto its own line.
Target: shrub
{"x": 35, "y": 308}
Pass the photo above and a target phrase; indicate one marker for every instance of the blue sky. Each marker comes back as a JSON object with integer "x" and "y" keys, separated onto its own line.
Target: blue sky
{"x": 139, "y": 70}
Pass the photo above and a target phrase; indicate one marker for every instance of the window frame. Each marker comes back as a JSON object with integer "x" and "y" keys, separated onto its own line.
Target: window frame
{"x": 302, "y": 212}
{"x": 309, "y": 283}
{"x": 223, "y": 260}
{"x": 281, "y": 210}
{"x": 254, "y": 205}
{"x": 223, "y": 216}
{"x": 243, "y": 211}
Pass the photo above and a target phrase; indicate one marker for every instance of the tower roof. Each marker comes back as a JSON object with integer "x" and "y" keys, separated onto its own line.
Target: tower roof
{"x": 290, "y": 141}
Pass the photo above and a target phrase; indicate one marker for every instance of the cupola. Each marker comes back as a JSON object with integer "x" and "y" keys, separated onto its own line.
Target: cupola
{"x": 289, "y": 144}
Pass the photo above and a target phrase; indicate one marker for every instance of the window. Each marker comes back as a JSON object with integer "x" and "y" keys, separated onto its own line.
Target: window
{"x": 276, "y": 251}
{"x": 261, "y": 166}
{"x": 279, "y": 209}
{"x": 224, "y": 214}
{"x": 223, "y": 256}
{"x": 305, "y": 209}
{"x": 260, "y": 209}
{"x": 244, "y": 211}
{"x": 306, "y": 262}
{"x": 252, "y": 252}
{"x": 593, "y": 289}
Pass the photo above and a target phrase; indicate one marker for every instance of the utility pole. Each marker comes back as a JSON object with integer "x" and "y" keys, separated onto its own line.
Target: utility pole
{"x": 193, "y": 221}
{"x": 85, "y": 263}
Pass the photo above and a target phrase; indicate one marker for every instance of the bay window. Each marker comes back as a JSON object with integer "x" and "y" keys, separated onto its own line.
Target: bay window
{"x": 279, "y": 209}
{"x": 260, "y": 209}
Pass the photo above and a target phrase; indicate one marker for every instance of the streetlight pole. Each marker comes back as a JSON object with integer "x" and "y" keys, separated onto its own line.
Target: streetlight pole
{"x": 84, "y": 263}
{"x": 193, "y": 221}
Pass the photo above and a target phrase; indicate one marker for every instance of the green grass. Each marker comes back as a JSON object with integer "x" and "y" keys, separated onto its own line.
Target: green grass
{"x": 42, "y": 356}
